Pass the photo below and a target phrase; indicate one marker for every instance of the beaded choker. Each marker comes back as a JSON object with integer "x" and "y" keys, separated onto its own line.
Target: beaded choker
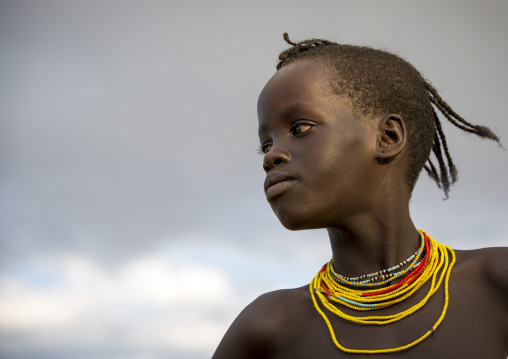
{"x": 385, "y": 275}
{"x": 333, "y": 289}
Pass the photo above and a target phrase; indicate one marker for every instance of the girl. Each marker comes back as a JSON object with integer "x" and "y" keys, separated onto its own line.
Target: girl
{"x": 345, "y": 132}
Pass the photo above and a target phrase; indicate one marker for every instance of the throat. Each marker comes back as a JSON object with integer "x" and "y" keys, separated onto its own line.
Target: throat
{"x": 357, "y": 254}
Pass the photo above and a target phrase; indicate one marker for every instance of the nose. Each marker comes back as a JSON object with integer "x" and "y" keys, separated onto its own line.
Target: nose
{"x": 274, "y": 157}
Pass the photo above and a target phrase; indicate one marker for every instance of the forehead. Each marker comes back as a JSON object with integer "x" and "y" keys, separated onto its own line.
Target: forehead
{"x": 301, "y": 86}
{"x": 299, "y": 81}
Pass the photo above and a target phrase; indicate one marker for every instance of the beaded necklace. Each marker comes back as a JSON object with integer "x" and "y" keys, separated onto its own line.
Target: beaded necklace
{"x": 332, "y": 289}
{"x": 381, "y": 275}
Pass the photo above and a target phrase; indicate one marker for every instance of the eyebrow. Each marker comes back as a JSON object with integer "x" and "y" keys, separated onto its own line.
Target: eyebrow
{"x": 289, "y": 110}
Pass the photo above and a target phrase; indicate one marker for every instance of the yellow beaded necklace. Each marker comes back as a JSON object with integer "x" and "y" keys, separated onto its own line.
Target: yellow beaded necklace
{"x": 328, "y": 287}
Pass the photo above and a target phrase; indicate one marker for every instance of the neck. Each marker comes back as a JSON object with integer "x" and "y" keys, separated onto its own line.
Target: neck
{"x": 369, "y": 243}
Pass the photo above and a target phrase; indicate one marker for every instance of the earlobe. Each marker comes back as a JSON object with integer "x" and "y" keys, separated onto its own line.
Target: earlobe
{"x": 392, "y": 137}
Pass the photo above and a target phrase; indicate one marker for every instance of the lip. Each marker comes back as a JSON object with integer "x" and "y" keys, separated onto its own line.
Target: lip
{"x": 277, "y": 183}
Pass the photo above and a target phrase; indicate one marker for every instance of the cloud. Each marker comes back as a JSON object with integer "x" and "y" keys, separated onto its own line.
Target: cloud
{"x": 70, "y": 301}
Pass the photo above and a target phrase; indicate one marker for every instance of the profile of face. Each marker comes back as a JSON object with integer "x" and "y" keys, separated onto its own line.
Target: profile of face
{"x": 319, "y": 157}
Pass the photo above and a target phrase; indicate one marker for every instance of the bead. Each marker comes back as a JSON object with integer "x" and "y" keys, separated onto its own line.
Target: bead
{"x": 431, "y": 254}
{"x": 368, "y": 278}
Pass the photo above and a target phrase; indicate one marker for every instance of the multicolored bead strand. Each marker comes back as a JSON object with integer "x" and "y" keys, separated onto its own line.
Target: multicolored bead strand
{"x": 383, "y": 274}
{"x": 330, "y": 291}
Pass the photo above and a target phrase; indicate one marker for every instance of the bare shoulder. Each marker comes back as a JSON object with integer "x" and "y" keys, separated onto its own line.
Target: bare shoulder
{"x": 492, "y": 263}
{"x": 485, "y": 267}
{"x": 259, "y": 327}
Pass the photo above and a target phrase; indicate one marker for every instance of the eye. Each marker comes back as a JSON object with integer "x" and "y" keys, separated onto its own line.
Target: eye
{"x": 264, "y": 148}
{"x": 300, "y": 128}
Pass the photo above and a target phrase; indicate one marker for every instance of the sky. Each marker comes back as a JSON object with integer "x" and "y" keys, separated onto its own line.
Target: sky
{"x": 133, "y": 222}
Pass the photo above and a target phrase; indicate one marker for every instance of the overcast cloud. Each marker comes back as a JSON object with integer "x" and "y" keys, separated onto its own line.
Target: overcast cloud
{"x": 132, "y": 218}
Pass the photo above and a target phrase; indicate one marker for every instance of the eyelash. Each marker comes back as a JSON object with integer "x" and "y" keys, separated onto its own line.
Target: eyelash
{"x": 262, "y": 148}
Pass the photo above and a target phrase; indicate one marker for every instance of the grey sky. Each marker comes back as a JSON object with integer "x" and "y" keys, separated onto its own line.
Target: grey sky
{"x": 129, "y": 128}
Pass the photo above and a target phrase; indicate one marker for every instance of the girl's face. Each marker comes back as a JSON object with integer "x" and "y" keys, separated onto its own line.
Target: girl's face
{"x": 319, "y": 158}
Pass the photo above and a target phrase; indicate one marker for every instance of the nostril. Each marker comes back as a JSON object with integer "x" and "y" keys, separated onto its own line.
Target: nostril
{"x": 274, "y": 158}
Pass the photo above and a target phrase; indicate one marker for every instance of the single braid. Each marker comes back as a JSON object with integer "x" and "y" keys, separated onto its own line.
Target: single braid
{"x": 298, "y": 47}
{"x": 444, "y": 180}
{"x": 432, "y": 172}
{"x": 451, "y": 165}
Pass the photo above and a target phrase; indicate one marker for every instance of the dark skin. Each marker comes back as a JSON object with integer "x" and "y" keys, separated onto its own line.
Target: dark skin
{"x": 327, "y": 168}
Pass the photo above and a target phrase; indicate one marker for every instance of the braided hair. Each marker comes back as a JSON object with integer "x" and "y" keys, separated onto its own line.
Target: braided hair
{"x": 380, "y": 83}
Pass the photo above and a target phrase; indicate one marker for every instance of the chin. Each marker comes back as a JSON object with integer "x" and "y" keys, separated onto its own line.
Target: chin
{"x": 293, "y": 222}
{"x": 296, "y": 217}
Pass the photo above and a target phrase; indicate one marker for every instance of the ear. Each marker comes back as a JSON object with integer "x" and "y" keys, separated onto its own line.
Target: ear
{"x": 392, "y": 137}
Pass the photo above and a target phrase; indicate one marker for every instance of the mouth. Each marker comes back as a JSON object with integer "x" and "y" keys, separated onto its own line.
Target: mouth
{"x": 275, "y": 184}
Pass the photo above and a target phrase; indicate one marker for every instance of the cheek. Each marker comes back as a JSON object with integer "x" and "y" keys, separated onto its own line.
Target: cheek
{"x": 333, "y": 174}
{"x": 339, "y": 158}
{"x": 341, "y": 171}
